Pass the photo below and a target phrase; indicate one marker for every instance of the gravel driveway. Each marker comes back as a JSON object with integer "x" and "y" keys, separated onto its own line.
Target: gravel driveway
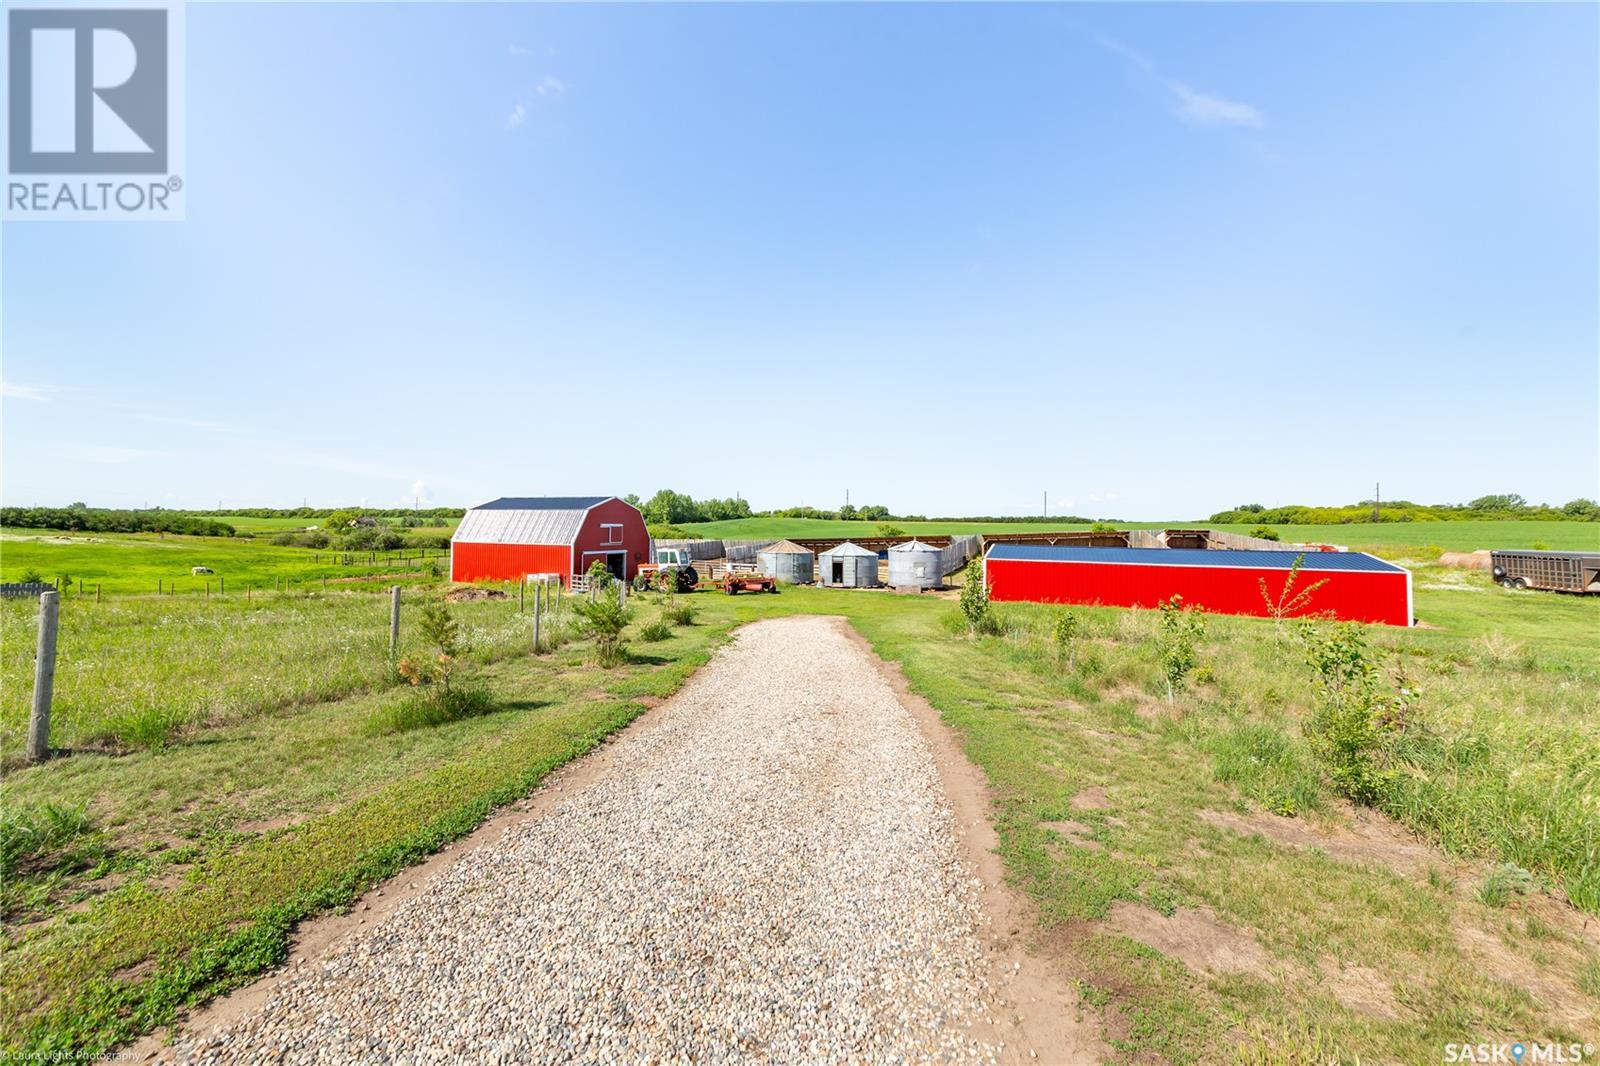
{"x": 764, "y": 871}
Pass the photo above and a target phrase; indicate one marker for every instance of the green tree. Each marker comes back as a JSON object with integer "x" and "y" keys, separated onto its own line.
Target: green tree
{"x": 975, "y": 598}
{"x": 1181, "y": 630}
{"x": 603, "y": 617}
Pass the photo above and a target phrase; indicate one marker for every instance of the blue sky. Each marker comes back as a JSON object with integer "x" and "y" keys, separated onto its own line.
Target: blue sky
{"x": 1155, "y": 260}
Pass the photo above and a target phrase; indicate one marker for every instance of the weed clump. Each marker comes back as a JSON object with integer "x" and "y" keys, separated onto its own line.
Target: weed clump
{"x": 653, "y": 632}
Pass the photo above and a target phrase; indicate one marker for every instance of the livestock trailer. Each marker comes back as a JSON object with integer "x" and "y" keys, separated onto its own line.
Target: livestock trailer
{"x": 509, "y": 538}
{"x": 1352, "y": 586}
{"x": 1553, "y": 571}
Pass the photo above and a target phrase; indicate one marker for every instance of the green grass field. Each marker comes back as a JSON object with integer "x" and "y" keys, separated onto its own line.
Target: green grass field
{"x": 135, "y": 562}
{"x": 1451, "y": 536}
{"x": 273, "y": 799}
{"x": 247, "y": 524}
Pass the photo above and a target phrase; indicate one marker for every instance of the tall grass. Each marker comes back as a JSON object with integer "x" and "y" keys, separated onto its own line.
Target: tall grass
{"x": 1500, "y": 756}
{"x": 139, "y": 671}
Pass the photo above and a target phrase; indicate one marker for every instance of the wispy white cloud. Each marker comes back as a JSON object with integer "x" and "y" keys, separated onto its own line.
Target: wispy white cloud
{"x": 189, "y": 423}
{"x": 518, "y": 115}
{"x": 550, "y": 85}
{"x": 1188, "y": 104}
{"x": 111, "y": 455}
{"x": 10, "y": 390}
{"x": 517, "y": 50}
{"x": 1204, "y": 109}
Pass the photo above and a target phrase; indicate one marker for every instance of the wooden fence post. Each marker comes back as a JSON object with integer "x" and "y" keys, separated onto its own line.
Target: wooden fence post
{"x": 538, "y": 609}
{"x": 97, "y": 592}
{"x": 44, "y": 677}
{"x": 394, "y": 621}
{"x": 522, "y": 589}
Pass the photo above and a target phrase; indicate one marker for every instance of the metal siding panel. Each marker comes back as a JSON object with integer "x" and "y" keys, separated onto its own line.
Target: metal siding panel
{"x": 1360, "y": 596}
{"x": 507, "y": 562}
{"x": 1243, "y": 558}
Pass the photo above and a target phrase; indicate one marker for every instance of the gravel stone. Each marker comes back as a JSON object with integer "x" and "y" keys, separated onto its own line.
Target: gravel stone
{"x": 766, "y": 873}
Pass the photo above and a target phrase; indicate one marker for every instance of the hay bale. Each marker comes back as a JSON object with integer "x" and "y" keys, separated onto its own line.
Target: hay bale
{"x": 1478, "y": 560}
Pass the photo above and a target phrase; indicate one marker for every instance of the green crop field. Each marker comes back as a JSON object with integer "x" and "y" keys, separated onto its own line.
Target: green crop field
{"x": 228, "y": 772}
{"x": 1451, "y": 536}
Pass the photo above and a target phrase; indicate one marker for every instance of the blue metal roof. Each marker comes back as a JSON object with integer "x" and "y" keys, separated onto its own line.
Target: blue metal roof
{"x": 1263, "y": 560}
{"x": 541, "y": 503}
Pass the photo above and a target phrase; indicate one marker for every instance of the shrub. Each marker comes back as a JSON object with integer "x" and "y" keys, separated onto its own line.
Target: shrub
{"x": 680, "y": 614}
{"x": 1181, "y": 629}
{"x": 975, "y": 598}
{"x": 603, "y": 617}
{"x": 655, "y": 631}
{"x": 32, "y": 577}
{"x": 1066, "y": 635}
{"x": 1265, "y": 533}
{"x": 284, "y": 540}
{"x": 599, "y": 577}
{"x": 1355, "y": 717}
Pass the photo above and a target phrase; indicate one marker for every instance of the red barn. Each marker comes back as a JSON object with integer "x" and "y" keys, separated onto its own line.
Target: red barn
{"x": 508, "y": 538}
{"x": 1357, "y": 586}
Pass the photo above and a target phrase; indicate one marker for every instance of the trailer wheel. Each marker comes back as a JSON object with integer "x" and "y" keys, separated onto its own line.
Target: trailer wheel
{"x": 1521, "y": 583}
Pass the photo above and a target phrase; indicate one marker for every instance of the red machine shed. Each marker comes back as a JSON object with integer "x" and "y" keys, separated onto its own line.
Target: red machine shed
{"x": 1358, "y": 587}
{"x": 509, "y": 538}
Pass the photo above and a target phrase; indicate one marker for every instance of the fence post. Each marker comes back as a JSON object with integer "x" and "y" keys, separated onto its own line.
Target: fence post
{"x": 522, "y": 590}
{"x": 538, "y": 609}
{"x": 222, "y": 586}
{"x": 97, "y": 592}
{"x": 44, "y": 677}
{"x": 394, "y": 621}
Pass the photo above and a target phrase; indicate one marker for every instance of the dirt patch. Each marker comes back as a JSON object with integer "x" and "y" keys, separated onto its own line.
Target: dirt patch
{"x": 1091, "y": 799}
{"x": 1040, "y": 1016}
{"x": 1368, "y": 839}
{"x": 1558, "y": 998}
{"x": 1077, "y": 832}
{"x": 1195, "y": 936}
{"x": 267, "y": 825}
{"x": 472, "y": 593}
{"x": 1361, "y": 989}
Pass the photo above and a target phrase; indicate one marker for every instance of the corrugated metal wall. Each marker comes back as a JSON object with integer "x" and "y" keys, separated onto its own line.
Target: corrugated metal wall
{"x": 1359, "y": 596}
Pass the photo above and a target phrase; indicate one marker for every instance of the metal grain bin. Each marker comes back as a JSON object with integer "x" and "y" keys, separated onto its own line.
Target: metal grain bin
{"x": 848, "y": 566}
{"x": 787, "y": 562}
{"x": 915, "y": 565}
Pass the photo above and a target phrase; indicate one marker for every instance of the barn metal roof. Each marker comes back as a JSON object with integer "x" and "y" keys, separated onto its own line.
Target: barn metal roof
{"x": 526, "y": 520}
{"x": 848, "y": 548}
{"x": 1260, "y": 560}
{"x": 784, "y": 547}
{"x": 542, "y": 503}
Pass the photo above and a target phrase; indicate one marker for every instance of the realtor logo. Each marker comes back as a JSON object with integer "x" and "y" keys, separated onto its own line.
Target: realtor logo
{"x": 93, "y": 92}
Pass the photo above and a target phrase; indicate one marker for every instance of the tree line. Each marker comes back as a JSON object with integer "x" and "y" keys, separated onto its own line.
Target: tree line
{"x": 79, "y": 517}
{"x": 1505, "y": 506}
